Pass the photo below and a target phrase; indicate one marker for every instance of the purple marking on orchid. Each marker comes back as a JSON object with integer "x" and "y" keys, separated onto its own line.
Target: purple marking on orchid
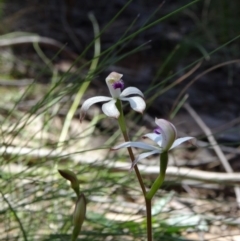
{"x": 157, "y": 131}
{"x": 118, "y": 85}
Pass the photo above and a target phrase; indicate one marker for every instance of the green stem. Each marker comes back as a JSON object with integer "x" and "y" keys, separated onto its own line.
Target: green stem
{"x": 122, "y": 125}
{"x": 19, "y": 221}
{"x": 85, "y": 85}
{"x": 159, "y": 181}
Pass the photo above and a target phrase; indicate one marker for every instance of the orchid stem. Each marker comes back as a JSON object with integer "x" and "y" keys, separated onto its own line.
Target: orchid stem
{"x": 156, "y": 185}
{"x": 122, "y": 125}
{"x": 149, "y": 218}
{"x": 160, "y": 179}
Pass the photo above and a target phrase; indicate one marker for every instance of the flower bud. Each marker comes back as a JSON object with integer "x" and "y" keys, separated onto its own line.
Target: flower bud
{"x": 79, "y": 213}
{"x": 70, "y": 176}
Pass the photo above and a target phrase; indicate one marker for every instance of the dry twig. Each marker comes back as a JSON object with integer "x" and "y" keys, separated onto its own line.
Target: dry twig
{"x": 214, "y": 145}
{"x": 30, "y": 39}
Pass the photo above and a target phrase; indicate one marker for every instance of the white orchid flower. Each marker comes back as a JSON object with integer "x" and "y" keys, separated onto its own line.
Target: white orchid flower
{"x": 115, "y": 86}
{"x": 164, "y": 136}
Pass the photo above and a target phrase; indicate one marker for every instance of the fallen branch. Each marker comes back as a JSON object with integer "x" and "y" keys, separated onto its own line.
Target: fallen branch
{"x": 151, "y": 171}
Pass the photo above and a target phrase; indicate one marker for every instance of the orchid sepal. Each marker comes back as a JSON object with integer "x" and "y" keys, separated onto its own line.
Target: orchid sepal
{"x": 179, "y": 141}
{"x": 142, "y": 156}
{"x": 141, "y": 145}
{"x": 91, "y": 101}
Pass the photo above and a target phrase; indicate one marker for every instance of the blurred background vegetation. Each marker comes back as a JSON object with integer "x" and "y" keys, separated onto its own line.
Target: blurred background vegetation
{"x": 175, "y": 52}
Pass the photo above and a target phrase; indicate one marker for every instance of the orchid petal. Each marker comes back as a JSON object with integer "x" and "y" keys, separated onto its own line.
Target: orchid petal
{"x": 110, "y": 80}
{"x": 89, "y": 102}
{"x": 157, "y": 138}
{"x": 131, "y": 91}
{"x": 110, "y": 109}
{"x": 168, "y": 131}
{"x": 113, "y": 76}
{"x": 137, "y": 145}
{"x": 180, "y": 141}
{"x": 136, "y": 103}
{"x": 142, "y": 156}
